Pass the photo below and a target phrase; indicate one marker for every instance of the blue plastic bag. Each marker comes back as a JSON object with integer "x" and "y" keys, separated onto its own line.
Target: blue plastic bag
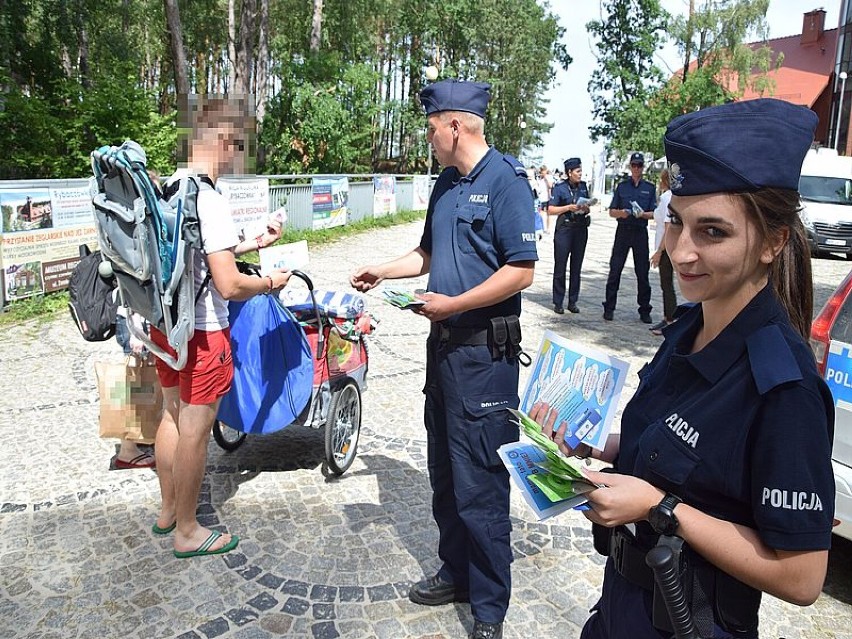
{"x": 273, "y": 367}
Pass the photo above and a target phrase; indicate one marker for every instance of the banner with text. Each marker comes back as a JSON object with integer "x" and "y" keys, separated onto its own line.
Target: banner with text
{"x": 249, "y": 202}
{"x": 330, "y": 200}
{"x": 384, "y": 195}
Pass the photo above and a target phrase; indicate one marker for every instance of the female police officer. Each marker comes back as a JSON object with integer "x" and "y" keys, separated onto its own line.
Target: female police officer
{"x": 571, "y": 234}
{"x": 727, "y": 441}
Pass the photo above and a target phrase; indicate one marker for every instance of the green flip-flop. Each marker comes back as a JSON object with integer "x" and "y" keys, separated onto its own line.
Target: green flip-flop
{"x": 163, "y": 531}
{"x": 204, "y": 549}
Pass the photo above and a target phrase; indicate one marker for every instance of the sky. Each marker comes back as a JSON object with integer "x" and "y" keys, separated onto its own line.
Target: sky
{"x": 570, "y": 107}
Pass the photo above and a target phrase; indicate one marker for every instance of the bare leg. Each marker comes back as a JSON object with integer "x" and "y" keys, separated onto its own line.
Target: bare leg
{"x": 187, "y": 472}
{"x": 164, "y": 451}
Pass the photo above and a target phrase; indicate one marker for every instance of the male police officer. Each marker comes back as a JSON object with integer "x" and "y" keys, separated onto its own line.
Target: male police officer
{"x": 478, "y": 246}
{"x": 633, "y": 204}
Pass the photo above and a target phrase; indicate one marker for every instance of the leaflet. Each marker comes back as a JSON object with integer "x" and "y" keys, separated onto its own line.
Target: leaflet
{"x": 582, "y": 384}
{"x": 402, "y": 299}
{"x": 587, "y": 201}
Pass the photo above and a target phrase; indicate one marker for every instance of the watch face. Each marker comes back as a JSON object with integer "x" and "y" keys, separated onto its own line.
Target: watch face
{"x": 661, "y": 517}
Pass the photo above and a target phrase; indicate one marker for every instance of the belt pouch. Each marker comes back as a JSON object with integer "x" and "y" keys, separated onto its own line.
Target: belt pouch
{"x": 499, "y": 337}
{"x": 601, "y": 537}
{"x": 513, "y": 325}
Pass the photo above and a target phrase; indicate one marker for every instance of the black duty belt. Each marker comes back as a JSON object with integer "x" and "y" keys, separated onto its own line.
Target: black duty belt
{"x": 460, "y": 335}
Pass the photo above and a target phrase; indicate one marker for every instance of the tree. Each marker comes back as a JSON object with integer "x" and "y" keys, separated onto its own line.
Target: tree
{"x": 628, "y": 35}
{"x": 179, "y": 65}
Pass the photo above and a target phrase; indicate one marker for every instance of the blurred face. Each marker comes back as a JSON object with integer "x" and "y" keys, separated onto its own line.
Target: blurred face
{"x": 716, "y": 250}
{"x": 636, "y": 171}
{"x": 442, "y": 133}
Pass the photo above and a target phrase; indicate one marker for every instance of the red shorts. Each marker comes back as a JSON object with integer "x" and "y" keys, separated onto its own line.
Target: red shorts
{"x": 209, "y": 368}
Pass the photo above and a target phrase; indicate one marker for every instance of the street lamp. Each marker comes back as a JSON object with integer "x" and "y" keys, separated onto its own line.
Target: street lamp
{"x": 840, "y": 108}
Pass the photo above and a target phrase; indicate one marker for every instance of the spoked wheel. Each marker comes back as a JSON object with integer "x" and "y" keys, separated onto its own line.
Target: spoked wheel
{"x": 343, "y": 428}
{"x": 228, "y": 438}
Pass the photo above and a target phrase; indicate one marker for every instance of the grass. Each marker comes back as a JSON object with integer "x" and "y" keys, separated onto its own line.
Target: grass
{"x": 43, "y": 308}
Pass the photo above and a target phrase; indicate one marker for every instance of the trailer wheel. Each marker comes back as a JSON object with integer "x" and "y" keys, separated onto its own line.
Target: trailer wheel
{"x": 343, "y": 428}
{"x": 228, "y": 438}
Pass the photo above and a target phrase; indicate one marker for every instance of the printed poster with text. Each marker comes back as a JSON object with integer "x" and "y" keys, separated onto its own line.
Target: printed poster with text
{"x": 330, "y": 200}
{"x": 581, "y": 384}
{"x": 249, "y": 202}
{"x": 384, "y": 195}
{"x": 41, "y": 229}
{"x": 420, "y": 188}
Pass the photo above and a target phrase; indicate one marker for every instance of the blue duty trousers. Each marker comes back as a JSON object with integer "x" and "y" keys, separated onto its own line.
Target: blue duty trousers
{"x": 629, "y": 238}
{"x": 467, "y": 393}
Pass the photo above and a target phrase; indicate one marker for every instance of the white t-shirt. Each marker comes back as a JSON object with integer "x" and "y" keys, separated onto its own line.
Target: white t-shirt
{"x": 662, "y": 217}
{"x": 217, "y": 234}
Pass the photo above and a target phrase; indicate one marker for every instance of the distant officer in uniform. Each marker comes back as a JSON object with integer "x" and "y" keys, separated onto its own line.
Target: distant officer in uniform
{"x": 633, "y": 204}
{"x": 478, "y": 246}
{"x": 726, "y": 444}
{"x": 570, "y": 235}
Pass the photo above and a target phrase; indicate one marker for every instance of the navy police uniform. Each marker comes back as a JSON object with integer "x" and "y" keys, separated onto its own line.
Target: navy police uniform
{"x": 631, "y": 235}
{"x": 570, "y": 236}
{"x": 475, "y": 224}
{"x": 716, "y": 427}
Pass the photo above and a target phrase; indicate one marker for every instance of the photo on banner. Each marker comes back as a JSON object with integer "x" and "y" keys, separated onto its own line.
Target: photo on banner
{"x": 330, "y": 201}
{"x": 384, "y": 195}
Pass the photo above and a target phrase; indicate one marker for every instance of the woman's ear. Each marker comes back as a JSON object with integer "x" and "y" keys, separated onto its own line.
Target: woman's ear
{"x": 774, "y": 245}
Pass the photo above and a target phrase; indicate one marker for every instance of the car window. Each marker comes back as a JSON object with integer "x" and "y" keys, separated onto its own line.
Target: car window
{"x": 831, "y": 190}
{"x": 841, "y": 330}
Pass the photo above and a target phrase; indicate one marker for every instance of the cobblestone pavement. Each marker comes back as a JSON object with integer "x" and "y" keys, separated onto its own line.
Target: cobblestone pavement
{"x": 320, "y": 557}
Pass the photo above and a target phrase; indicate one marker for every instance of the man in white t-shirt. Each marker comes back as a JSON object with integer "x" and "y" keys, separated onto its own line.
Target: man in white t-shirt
{"x": 217, "y": 145}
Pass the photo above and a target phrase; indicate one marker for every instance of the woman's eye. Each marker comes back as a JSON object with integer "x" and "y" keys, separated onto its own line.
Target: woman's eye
{"x": 715, "y": 232}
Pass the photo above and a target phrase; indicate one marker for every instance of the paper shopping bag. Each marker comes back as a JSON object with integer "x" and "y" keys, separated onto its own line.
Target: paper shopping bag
{"x": 131, "y": 399}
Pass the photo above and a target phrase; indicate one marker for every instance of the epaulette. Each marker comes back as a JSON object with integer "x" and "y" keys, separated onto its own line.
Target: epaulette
{"x": 771, "y": 358}
{"x": 516, "y": 165}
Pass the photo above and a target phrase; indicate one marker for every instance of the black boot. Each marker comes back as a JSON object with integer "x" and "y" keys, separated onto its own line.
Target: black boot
{"x": 434, "y": 591}
{"x": 482, "y": 630}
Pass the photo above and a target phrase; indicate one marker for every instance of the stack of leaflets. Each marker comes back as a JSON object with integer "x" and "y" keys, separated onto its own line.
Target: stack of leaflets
{"x": 636, "y": 209}
{"x": 586, "y": 201}
{"x": 582, "y": 386}
{"x": 402, "y": 299}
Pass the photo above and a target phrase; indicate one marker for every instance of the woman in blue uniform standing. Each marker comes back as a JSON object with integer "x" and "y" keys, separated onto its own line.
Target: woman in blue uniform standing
{"x": 727, "y": 442}
{"x": 570, "y": 235}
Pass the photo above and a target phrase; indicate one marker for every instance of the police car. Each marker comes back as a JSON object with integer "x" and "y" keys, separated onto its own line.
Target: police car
{"x": 831, "y": 341}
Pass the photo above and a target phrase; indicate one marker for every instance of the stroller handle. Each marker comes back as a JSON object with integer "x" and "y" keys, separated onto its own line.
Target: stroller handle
{"x": 309, "y": 283}
{"x": 660, "y": 560}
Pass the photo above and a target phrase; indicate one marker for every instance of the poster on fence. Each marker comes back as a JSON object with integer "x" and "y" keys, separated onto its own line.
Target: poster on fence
{"x": 330, "y": 200}
{"x": 384, "y": 195}
{"x": 420, "y": 188}
{"x": 41, "y": 229}
{"x": 249, "y": 202}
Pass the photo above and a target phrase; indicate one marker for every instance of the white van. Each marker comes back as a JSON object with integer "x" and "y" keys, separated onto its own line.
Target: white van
{"x": 826, "y": 191}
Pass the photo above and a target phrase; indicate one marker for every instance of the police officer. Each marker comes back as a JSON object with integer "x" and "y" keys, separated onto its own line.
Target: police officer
{"x": 633, "y": 205}
{"x": 705, "y": 453}
{"x": 570, "y": 234}
{"x": 478, "y": 246}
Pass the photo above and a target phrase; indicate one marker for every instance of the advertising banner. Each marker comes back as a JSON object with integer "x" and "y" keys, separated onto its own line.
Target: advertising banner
{"x": 384, "y": 195}
{"x": 330, "y": 200}
{"x": 41, "y": 229}
{"x": 420, "y": 187}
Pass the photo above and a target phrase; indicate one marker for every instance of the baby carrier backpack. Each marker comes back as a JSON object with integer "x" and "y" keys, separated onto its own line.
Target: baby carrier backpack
{"x": 150, "y": 243}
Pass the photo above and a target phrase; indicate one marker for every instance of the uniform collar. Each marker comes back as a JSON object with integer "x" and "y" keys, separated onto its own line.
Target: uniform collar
{"x": 480, "y": 166}
{"x": 720, "y": 354}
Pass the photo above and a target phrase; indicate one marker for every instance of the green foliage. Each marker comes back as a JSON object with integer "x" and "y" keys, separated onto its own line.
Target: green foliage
{"x": 627, "y": 38}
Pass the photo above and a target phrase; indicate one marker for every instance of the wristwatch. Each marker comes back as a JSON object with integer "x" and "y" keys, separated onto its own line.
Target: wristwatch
{"x": 662, "y": 517}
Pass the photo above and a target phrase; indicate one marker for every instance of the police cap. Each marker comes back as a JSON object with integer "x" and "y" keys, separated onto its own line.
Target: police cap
{"x": 456, "y": 95}
{"x": 637, "y": 158}
{"x": 572, "y": 163}
{"x": 739, "y": 146}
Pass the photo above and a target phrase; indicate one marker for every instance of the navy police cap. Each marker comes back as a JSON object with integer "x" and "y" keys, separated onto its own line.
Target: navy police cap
{"x": 637, "y": 158}
{"x": 739, "y": 147}
{"x": 572, "y": 163}
{"x": 456, "y": 95}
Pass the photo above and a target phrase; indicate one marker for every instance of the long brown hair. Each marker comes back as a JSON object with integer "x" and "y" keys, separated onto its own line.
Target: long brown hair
{"x": 790, "y": 273}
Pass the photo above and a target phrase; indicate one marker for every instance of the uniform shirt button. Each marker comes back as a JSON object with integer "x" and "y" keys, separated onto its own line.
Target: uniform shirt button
{"x": 653, "y": 456}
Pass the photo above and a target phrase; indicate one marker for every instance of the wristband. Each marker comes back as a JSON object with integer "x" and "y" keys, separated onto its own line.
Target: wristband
{"x": 269, "y": 278}
{"x": 259, "y": 240}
